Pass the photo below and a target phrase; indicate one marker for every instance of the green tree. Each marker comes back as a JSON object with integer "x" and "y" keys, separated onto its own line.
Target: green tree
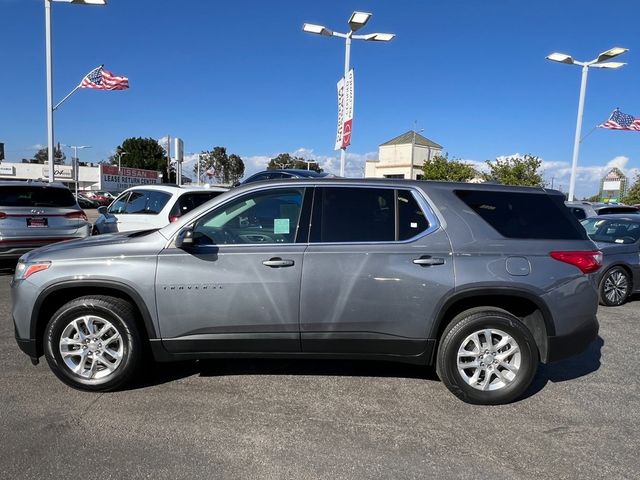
{"x": 146, "y": 153}
{"x": 593, "y": 198}
{"x": 441, "y": 168}
{"x": 42, "y": 155}
{"x": 285, "y": 160}
{"x": 227, "y": 169}
{"x": 632, "y": 196}
{"x": 516, "y": 171}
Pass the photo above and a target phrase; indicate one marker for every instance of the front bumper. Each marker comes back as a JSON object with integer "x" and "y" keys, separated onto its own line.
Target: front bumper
{"x": 573, "y": 343}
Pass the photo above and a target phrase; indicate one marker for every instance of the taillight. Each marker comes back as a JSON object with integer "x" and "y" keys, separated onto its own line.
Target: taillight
{"x": 173, "y": 218}
{"x": 3, "y": 215}
{"x": 587, "y": 262}
{"x": 80, "y": 215}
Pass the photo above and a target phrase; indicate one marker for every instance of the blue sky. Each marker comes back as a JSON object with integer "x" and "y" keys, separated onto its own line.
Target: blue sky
{"x": 243, "y": 75}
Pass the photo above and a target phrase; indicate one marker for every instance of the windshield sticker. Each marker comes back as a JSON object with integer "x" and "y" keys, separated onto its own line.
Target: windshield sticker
{"x": 281, "y": 226}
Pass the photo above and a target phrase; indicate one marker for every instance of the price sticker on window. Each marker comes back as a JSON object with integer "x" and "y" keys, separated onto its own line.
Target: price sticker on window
{"x": 281, "y": 226}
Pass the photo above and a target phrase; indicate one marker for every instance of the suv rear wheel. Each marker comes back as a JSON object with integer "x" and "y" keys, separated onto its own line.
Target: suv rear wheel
{"x": 92, "y": 343}
{"x": 487, "y": 356}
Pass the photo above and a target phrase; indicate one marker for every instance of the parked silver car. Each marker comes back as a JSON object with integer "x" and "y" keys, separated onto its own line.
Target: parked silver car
{"x": 33, "y": 214}
{"x": 618, "y": 238}
{"x": 482, "y": 281}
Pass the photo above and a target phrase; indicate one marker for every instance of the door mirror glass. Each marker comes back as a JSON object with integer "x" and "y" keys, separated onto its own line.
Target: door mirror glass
{"x": 102, "y": 210}
{"x": 184, "y": 238}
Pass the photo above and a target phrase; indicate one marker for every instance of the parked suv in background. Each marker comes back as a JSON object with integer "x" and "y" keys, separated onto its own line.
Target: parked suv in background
{"x": 482, "y": 281}
{"x": 151, "y": 206}
{"x": 33, "y": 214}
{"x": 582, "y": 210}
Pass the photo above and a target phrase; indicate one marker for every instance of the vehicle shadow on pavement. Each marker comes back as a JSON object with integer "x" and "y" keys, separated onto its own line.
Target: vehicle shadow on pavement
{"x": 159, "y": 373}
{"x": 568, "y": 369}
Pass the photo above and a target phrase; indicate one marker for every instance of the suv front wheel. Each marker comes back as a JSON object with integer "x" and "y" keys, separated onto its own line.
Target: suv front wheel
{"x": 487, "y": 356}
{"x": 91, "y": 343}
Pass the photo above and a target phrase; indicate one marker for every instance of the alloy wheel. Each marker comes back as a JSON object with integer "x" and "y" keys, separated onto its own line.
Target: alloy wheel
{"x": 616, "y": 287}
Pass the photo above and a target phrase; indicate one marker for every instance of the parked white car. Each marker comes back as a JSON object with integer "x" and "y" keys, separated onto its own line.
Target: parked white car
{"x": 150, "y": 206}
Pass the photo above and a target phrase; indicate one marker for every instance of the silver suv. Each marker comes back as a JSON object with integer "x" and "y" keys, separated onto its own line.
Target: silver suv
{"x": 33, "y": 214}
{"x": 482, "y": 281}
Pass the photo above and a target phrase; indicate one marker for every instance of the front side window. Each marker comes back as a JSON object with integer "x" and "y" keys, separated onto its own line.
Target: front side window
{"x": 119, "y": 204}
{"x": 146, "y": 202}
{"x": 269, "y": 216}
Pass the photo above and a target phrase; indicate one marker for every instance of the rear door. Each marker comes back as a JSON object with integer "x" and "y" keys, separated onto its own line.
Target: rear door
{"x": 375, "y": 269}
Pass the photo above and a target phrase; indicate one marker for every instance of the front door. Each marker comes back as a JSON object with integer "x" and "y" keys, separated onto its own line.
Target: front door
{"x": 237, "y": 289}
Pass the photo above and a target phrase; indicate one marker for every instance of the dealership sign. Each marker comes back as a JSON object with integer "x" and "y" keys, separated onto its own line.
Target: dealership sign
{"x": 59, "y": 171}
{"x": 114, "y": 179}
{"x": 345, "y": 111}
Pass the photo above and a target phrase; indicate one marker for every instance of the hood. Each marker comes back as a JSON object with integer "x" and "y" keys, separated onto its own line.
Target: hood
{"x": 128, "y": 243}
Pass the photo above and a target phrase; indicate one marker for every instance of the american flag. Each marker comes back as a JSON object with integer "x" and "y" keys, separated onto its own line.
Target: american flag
{"x": 621, "y": 121}
{"x": 101, "y": 79}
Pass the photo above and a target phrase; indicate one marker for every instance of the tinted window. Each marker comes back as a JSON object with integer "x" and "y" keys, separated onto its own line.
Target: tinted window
{"x": 353, "y": 215}
{"x": 189, "y": 201}
{"x": 523, "y": 215}
{"x": 578, "y": 213}
{"x": 608, "y": 210}
{"x": 35, "y": 196}
{"x": 270, "y": 216}
{"x": 411, "y": 218}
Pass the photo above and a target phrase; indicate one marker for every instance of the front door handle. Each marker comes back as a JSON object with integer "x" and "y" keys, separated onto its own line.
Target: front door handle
{"x": 427, "y": 261}
{"x": 278, "y": 262}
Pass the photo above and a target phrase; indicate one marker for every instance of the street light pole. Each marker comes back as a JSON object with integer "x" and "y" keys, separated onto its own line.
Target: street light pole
{"x": 120, "y": 158}
{"x": 49, "y": 62}
{"x": 47, "y": 14}
{"x": 74, "y": 163}
{"x": 599, "y": 62}
{"x": 576, "y": 140}
{"x": 356, "y": 22}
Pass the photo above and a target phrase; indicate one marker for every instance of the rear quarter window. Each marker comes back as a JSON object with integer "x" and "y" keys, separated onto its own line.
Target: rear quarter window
{"x": 524, "y": 215}
{"x": 36, "y": 196}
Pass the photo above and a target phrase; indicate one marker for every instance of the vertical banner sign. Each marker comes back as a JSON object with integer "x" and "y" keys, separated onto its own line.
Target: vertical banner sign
{"x": 345, "y": 111}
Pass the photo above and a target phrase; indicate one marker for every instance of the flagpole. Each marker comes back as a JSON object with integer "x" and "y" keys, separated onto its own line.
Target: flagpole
{"x": 65, "y": 98}
{"x": 76, "y": 88}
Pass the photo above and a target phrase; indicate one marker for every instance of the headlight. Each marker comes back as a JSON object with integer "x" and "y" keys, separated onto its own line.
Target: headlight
{"x": 25, "y": 269}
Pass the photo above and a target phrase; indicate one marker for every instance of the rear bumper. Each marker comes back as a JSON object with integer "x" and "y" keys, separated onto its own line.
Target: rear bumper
{"x": 573, "y": 343}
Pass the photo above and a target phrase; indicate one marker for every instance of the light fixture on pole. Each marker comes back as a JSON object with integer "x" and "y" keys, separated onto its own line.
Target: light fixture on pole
{"x": 119, "y": 155}
{"x": 47, "y": 15}
{"x": 599, "y": 62}
{"x": 74, "y": 162}
{"x": 356, "y": 22}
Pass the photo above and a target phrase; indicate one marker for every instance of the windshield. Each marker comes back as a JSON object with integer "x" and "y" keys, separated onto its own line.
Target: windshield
{"x": 612, "y": 231}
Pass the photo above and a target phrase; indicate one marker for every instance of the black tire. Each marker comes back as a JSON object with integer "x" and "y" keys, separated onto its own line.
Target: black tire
{"x": 121, "y": 315}
{"x": 474, "y": 320}
{"x": 619, "y": 279}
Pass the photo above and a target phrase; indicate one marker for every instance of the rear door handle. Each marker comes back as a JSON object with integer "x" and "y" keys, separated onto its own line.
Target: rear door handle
{"x": 278, "y": 262}
{"x": 427, "y": 261}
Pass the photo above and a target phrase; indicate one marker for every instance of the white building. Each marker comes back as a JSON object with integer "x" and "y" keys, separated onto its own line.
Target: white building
{"x": 402, "y": 157}
{"x": 88, "y": 177}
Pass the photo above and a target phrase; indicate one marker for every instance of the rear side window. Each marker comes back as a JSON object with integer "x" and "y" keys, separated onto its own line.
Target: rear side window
{"x": 347, "y": 214}
{"x": 35, "y": 196}
{"x": 190, "y": 201}
{"x": 578, "y": 213}
{"x": 524, "y": 215}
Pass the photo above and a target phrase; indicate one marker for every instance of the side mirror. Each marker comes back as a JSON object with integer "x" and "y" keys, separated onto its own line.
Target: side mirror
{"x": 102, "y": 210}
{"x": 184, "y": 238}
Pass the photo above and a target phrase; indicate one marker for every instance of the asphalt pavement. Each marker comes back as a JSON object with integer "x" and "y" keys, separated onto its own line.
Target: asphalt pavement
{"x": 280, "y": 419}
